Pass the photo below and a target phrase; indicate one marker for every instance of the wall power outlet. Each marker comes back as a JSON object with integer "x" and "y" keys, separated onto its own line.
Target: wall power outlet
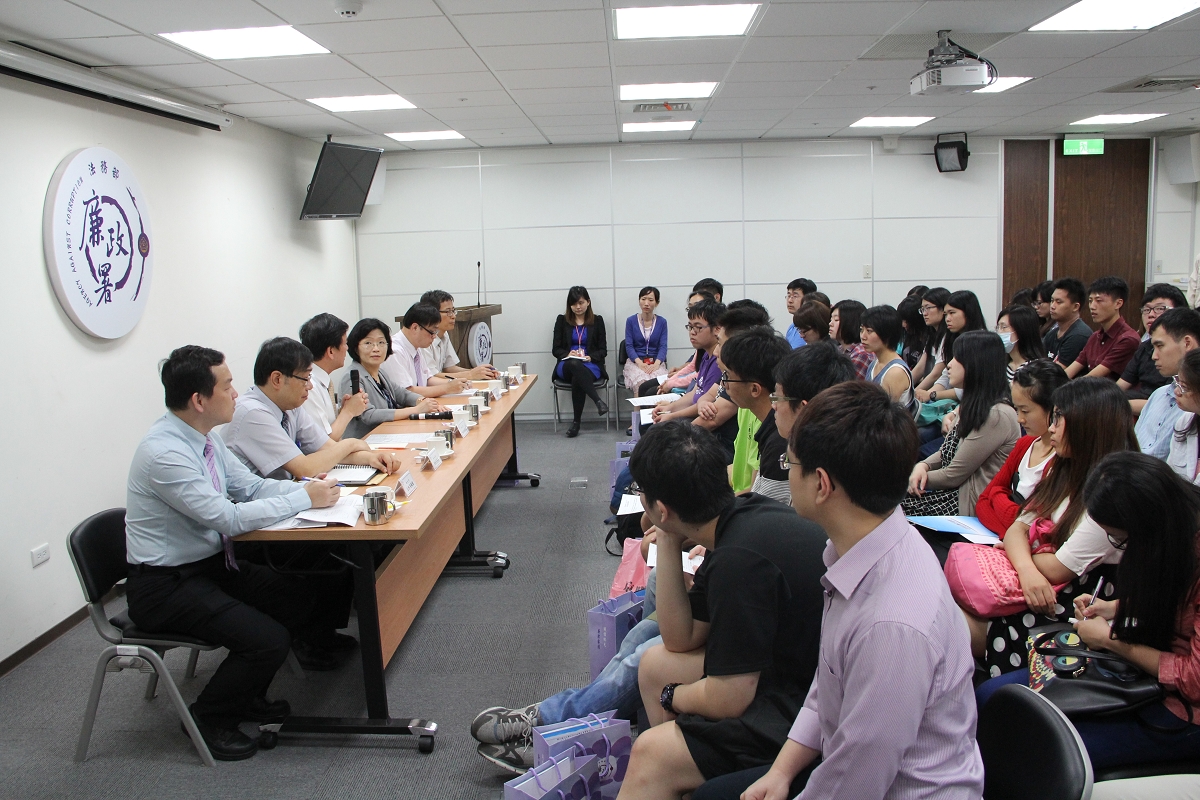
{"x": 40, "y": 554}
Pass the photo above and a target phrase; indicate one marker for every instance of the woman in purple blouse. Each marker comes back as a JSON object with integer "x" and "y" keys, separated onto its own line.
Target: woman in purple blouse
{"x": 645, "y": 341}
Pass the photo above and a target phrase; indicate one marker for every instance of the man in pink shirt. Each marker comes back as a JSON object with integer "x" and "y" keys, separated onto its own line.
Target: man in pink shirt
{"x": 891, "y": 711}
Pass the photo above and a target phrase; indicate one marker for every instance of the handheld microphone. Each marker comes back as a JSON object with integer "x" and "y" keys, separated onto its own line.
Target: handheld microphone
{"x": 437, "y": 415}
{"x": 355, "y": 386}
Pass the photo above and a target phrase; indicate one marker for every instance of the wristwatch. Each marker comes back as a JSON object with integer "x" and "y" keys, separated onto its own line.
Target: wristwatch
{"x": 668, "y": 697}
{"x": 933, "y": 395}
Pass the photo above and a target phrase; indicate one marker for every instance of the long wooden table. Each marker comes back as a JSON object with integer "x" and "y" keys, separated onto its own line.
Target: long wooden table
{"x": 435, "y": 530}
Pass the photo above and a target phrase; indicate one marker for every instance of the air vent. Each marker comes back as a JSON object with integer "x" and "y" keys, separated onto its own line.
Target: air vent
{"x": 654, "y": 108}
{"x": 1169, "y": 84}
{"x": 916, "y": 46}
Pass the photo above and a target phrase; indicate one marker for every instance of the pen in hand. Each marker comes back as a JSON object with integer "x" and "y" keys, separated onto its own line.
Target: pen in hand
{"x": 303, "y": 479}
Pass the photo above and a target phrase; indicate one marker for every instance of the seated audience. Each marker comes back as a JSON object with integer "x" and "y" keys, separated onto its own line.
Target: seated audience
{"x": 1066, "y": 339}
{"x": 1172, "y": 335}
{"x": 406, "y": 367}
{"x": 845, "y": 326}
{"x": 723, "y": 416}
{"x": 916, "y": 333}
{"x": 1141, "y": 376}
{"x": 801, "y": 376}
{"x": 1112, "y": 345}
{"x": 370, "y": 344}
{"x": 274, "y": 435}
{"x": 1152, "y": 619}
{"x": 974, "y": 450}
{"x": 1043, "y": 294}
{"x": 1018, "y": 329}
{"x": 740, "y": 649}
{"x": 702, "y": 334}
{"x": 960, "y": 314}
{"x": 645, "y": 342}
{"x": 817, "y": 297}
{"x": 750, "y": 358}
{"x": 581, "y": 347}
{"x": 811, "y": 321}
{"x": 1022, "y": 297}
{"x": 796, "y": 291}
{"x": 890, "y": 713}
{"x": 1032, "y": 389}
{"x": 880, "y": 333}
{"x": 325, "y": 337}
{"x": 188, "y": 497}
{"x": 932, "y": 362}
{"x": 440, "y": 358}
{"x": 710, "y": 285}
{"x": 1091, "y": 419}
{"x": 1182, "y": 457}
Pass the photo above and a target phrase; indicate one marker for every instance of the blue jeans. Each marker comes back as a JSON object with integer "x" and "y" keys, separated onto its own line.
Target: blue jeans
{"x": 1124, "y": 739}
{"x": 617, "y": 685}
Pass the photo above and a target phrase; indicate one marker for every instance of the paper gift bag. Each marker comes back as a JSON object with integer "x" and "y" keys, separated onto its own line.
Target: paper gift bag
{"x": 608, "y": 623}
{"x": 602, "y": 736}
{"x": 568, "y": 776}
{"x": 633, "y": 573}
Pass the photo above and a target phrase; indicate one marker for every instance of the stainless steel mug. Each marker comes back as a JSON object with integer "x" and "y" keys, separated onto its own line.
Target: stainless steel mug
{"x": 473, "y": 410}
{"x": 487, "y": 397}
{"x": 377, "y": 507}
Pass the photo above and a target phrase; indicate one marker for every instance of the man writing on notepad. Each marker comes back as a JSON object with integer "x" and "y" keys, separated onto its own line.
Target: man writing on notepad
{"x": 187, "y": 498}
{"x": 406, "y": 366}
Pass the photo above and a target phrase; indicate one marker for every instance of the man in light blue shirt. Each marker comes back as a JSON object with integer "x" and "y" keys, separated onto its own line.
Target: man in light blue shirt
{"x": 1172, "y": 335}
{"x": 188, "y": 496}
{"x": 795, "y": 297}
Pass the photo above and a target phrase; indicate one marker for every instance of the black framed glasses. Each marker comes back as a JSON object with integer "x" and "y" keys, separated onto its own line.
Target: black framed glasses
{"x": 696, "y": 328}
{"x": 302, "y": 378}
{"x": 434, "y": 334}
{"x": 1156, "y": 309}
{"x": 726, "y": 380}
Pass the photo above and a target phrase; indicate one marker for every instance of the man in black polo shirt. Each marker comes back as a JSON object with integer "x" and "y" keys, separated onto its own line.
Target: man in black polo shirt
{"x": 740, "y": 649}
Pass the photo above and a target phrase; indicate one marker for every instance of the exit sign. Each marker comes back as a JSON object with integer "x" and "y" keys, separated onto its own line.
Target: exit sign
{"x": 1083, "y": 147}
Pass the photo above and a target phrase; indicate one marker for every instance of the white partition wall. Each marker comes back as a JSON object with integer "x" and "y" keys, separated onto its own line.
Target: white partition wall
{"x": 862, "y": 223}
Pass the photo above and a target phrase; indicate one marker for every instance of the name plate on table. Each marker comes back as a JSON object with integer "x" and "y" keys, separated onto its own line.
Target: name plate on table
{"x": 432, "y": 459}
{"x": 407, "y": 484}
{"x": 497, "y": 393}
{"x": 462, "y": 429}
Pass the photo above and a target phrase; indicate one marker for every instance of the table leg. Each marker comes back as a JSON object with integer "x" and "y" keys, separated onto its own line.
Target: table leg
{"x": 466, "y": 557}
{"x": 511, "y": 471}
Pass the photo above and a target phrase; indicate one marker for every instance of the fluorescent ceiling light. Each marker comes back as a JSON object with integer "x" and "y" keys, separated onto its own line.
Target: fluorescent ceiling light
{"x": 282, "y": 40}
{"x": 666, "y": 91}
{"x": 1002, "y": 85}
{"x": 364, "y": 102}
{"x": 1116, "y": 15}
{"x": 655, "y": 127}
{"x": 890, "y": 122}
{"x": 1117, "y": 119}
{"x": 671, "y": 22}
{"x": 424, "y": 136}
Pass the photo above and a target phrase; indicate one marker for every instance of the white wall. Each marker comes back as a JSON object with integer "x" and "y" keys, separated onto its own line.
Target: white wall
{"x": 1175, "y": 232}
{"x": 615, "y": 218}
{"x": 233, "y": 266}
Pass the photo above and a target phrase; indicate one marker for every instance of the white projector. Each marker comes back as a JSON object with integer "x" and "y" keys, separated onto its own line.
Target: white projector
{"x": 951, "y": 79}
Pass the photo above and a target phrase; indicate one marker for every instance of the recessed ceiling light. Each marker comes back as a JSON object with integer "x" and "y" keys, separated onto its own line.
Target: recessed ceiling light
{"x": 1002, "y": 85}
{"x": 424, "y": 136}
{"x": 281, "y": 40}
{"x": 1117, "y": 119}
{"x": 671, "y": 22}
{"x": 654, "y": 127}
{"x": 890, "y": 122}
{"x": 666, "y": 91}
{"x": 1116, "y": 15}
{"x": 364, "y": 102}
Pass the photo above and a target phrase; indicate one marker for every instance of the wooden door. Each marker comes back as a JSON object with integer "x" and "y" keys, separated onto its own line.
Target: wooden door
{"x": 1026, "y": 213}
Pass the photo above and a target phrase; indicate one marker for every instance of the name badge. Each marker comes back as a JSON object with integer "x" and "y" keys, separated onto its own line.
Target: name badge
{"x": 433, "y": 459}
{"x": 407, "y": 484}
{"x": 497, "y": 394}
{"x": 462, "y": 429}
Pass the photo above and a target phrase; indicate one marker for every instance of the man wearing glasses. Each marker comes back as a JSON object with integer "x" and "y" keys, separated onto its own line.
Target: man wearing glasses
{"x": 1141, "y": 377}
{"x": 440, "y": 358}
{"x": 406, "y": 367}
{"x": 702, "y": 333}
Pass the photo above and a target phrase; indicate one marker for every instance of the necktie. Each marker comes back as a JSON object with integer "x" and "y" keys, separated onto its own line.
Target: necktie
{"x": 210, "y": 460}
{"x": 418, "y": 369}
{"x": 284, "y": 422}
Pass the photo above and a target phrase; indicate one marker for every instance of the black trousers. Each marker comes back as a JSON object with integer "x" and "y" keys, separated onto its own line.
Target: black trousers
{"x": 731, "y": 786}
{"x": 583, "y": 384}
{"x": 253, "y": 612}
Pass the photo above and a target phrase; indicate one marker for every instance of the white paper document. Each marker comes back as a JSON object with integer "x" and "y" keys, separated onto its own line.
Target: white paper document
{"x": 690, "y": 565}
{"x": 970, "y": 528}
{"x": 630, "y": 504}
{"x": 395, "y": 440}
{"x": 647, "y": 416}
{"x": 650, "y": 401}
{"x": 344, "y": 512}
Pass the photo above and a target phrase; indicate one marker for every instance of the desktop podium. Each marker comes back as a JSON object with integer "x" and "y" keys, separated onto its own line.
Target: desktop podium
{"x": 435, "y": 532}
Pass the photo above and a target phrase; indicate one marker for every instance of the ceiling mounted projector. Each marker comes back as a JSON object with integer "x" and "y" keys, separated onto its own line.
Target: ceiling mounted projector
{"x": 951, "y": 69}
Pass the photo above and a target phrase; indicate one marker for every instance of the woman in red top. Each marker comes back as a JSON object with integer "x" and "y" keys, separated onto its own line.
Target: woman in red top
{"x": 1032, "y": 387}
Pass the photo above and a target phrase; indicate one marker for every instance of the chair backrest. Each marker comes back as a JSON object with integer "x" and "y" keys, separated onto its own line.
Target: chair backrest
{"x": 97, "y": 548}
{"x": 1030, "y": 749}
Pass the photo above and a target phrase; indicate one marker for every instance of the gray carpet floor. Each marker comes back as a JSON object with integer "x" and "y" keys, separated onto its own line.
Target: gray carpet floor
{"x": 477, "y": 642}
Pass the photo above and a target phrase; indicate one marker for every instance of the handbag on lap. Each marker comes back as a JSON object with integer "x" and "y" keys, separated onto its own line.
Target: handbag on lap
{"x": 1082, "y": 682}
{"x": 983, "y": 580}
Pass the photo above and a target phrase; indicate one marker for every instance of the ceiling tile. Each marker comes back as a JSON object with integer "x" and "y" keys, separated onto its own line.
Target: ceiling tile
{"x": 833, "y": 19}
{"x": 241, "y": 93}
{"x": 280, "y": 108}
{"x": 169, "y": 17}
{"x": 1119, "y": 69}
{"x": 556, "y": 78}
{"x": 876, "y": 87}
{"x": 294, "y": 68}
{"x": 304, "y": 12}
{"x": 565, "y": 109}
{"x": 551, "y": 131}
{"x": 185, "y": 75}
{"x": 130, "y": 51}
{"x": 378, "y": 36}
{"x": 695, "y": 51}
{"x": 548, "y": 27}
{"x": 511, "y": 141}
{"x": 846, "y": 101}
{"x": 681, "y": 73}
{"x": 755, "y": 116}
{"x": 787, "y": 71}
{"x": 461, "y": 116}
{"x": 770, "y": 89}
{"x": 408, "y": 119}
{"x": 302, "y": 90}
{"x": 459, "y": 99}
{"x": 806, "y": 48}
{"x": 55, "y": 19}
{"x": 1044, "y": 44}
{"x": 981, "y": 16}
{"x": 450, "y": 82}
{"x": 311, "y": 125}
{"x": 584, "y": 139}
{"x": 1160, "y": 43}
{"x": 417, "y": 62}
{"x": 507, "y": 6}
{"x": 575, "y": 119}
{"x": 1030, "y": 67}
{"x": 752, "y": 103}
{"x": 585, "y": 94}
{"x": 546, "y": 56}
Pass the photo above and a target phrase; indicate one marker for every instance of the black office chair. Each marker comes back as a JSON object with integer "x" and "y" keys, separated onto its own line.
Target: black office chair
{"x": 97, "y": 548}
{"x": 1057, "y": 768}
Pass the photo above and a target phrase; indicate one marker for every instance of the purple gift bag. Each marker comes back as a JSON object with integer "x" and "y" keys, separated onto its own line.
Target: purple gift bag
{"x": 567, "y": 776}
{"x": 601, "y": 736}
{"x": 610, "y": 621}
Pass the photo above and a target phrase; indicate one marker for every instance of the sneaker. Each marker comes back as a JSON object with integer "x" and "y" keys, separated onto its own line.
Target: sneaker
{"x": 512, "y": 756}
{"x": 498, "y": 725}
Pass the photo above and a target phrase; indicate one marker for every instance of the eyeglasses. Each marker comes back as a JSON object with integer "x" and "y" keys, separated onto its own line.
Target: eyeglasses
{"x": 633, "y": 487}
{"x": 696, "y": 328}
{"x": 302, "y": 378}
{"x": 782, "y": 398}
{"x": 376, "y": 344}
{"x": 726, "y": 380}
{"x": 1056, "y": 417}
{"x": 434, "y": 334}
{"x": 928, "y": 309}
{"x": 786, "y": 464}
{"x": 1147, "y": 310}
{"x": 1179, "y": 386}
{"x": 452, "y": 312}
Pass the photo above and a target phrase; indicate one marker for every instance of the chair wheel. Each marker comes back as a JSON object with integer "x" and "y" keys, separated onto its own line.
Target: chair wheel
{"x": 425, "y": 744}
{"x": 267, "y": 740}
{"x": 534, "y": 482}
{"x": 497, "y": 572}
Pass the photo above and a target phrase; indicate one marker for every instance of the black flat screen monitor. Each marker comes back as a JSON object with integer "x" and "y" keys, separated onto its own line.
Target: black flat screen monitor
{"x": 340, "y": 182}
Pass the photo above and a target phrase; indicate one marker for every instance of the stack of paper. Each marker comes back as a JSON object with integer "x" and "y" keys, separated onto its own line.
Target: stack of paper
{"x": 690, "y": 565}
{"x": 970, "y": 528}
{"x": 344, "y": 512}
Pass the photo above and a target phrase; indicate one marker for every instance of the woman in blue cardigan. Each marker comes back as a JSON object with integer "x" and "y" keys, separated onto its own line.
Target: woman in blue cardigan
{"x": 645, "y": 342}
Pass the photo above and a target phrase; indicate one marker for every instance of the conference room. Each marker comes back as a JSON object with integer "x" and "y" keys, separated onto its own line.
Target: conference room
{"x": 593, "y": 199}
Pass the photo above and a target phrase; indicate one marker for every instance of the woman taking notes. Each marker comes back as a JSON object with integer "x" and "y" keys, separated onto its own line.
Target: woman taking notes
{"x": 645, "y": 342}
{"x": 581, "y": 347}
{"x": 370, "y": 343}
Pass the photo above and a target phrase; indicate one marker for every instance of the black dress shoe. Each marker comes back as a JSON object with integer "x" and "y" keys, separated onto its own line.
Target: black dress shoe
{"x": 602, "y": 408}
{"x": 313, "y": 658}
{"x": 339, "y": 643}
{"x": 225, "y": 744}
{"x": 263, "y": 710}
{"x": 573, "y": 431}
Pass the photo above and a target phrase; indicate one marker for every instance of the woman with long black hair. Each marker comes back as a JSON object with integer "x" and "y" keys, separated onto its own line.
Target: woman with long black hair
{"x": 960, "y": 314}
{"x": 1018, "y": 329}
{"x": 581, "y": 347}
{"x": 933, "y": 305}
{"x": 916, "y": 332}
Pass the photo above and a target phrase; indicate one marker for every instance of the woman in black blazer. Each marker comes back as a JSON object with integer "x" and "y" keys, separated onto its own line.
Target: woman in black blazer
{"x": 581, "y": 347}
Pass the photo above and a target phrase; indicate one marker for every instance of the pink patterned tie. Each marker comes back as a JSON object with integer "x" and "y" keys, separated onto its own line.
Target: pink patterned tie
{"x": 419, "y": 369}
{"x": 210, "y": 460}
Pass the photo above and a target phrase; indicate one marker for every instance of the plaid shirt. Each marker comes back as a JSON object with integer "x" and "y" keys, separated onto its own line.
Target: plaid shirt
{"x": 862, "y": 360}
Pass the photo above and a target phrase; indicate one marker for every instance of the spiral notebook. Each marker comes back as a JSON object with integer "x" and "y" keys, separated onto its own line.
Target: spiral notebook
{"x": 352, "y": 474}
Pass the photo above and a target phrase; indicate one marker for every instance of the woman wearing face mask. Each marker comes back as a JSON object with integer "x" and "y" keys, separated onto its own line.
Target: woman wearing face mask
{"x": 1018, "y": 329}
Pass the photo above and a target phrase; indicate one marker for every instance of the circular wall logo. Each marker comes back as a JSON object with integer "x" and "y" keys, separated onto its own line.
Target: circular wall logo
{"x": 479, "y": 339}
{"x": 96, "y": 234}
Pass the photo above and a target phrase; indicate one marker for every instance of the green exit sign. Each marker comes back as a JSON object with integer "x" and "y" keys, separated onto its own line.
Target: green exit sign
{"x": 1083, "y": 147}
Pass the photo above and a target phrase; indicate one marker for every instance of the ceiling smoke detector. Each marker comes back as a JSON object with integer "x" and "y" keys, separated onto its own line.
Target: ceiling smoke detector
{"x": 347, "y": 9}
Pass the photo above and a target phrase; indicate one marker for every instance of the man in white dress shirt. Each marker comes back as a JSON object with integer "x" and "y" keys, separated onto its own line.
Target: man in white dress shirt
{"x": 325, "y": 337}
{"x": 440, "y": 358}
{"x": 406, "y": 367}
